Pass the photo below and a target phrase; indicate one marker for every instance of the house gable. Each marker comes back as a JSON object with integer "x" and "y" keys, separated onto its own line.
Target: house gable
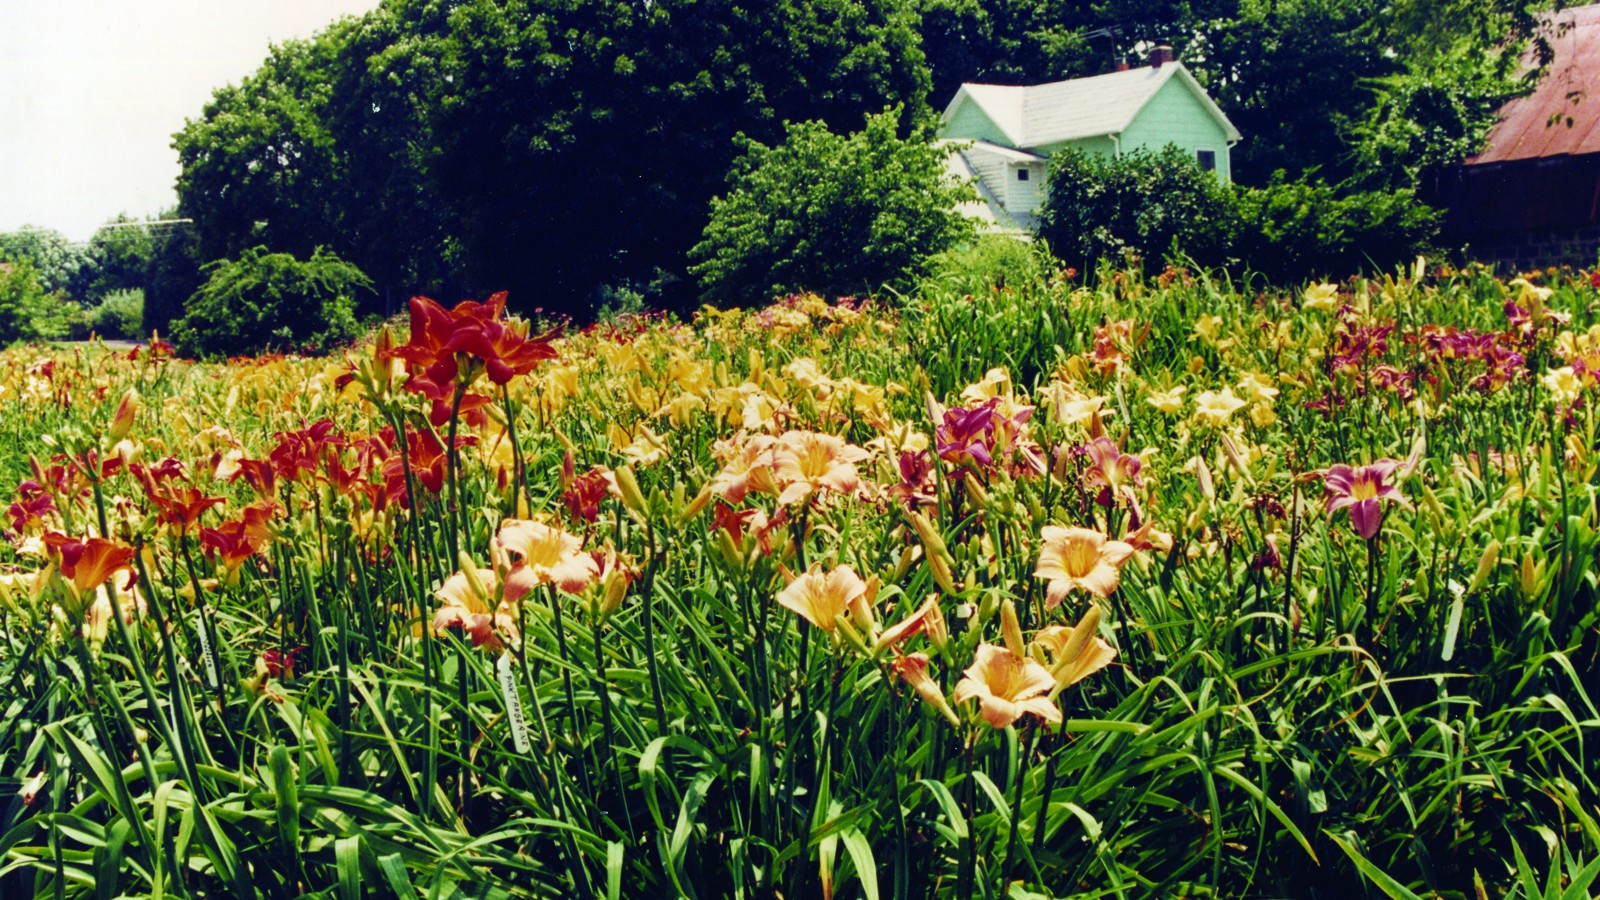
{"x": 1175, "y": 115}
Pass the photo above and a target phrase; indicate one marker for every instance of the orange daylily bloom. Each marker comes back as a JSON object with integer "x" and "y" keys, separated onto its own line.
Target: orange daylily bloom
{"x": 821, "y": 596}
{"x": 89, "y": 563}
{"x": 1007, "y": 686}
{"x": 1079, "y": 558}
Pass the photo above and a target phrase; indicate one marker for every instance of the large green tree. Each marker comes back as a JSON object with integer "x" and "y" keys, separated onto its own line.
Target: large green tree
{"x": 836, "y": 214}
{"x": 579, "y": 142}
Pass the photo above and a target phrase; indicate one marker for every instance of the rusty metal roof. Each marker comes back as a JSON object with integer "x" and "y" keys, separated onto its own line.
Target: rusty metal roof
{"x": 1561, "y": 117}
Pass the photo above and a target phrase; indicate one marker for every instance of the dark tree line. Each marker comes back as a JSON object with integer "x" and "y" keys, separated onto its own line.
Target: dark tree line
{"x": 558, "y": 148}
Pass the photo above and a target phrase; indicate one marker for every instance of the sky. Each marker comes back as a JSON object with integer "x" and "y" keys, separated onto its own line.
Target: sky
{"x": 91, "y": 92}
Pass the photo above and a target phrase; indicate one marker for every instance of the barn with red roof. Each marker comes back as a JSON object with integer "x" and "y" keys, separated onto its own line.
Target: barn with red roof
{"x": 1531, "y": 197}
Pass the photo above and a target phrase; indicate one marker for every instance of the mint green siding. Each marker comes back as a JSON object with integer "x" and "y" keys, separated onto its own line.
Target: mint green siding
{"x": 970, "y": 123}
{"x": 1175, "y": 116}
{"x": 1103, "y": 144}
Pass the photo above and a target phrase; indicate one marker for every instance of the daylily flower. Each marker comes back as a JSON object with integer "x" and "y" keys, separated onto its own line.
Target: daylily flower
{"x": 927, "y": 618}
{"x": 1079, "y": 558}
{"x": 89, "y": 563}
{"x": 1563, "y": 384}
{"x": 1076, "y": 652}
{"x": 820, "y": 597}
{"x": 1168, "y": 401}
{"x": 1214, "y": 407}
{"x": 913, "y": 669}
{"x": 1114, "y": 472}
{"x": 745, "y": 467}
{"x": 1323, "y": 297}
{"x": 806, "y": 463}
{"x": 1363, "y": 489}
{"x": 1006, "y": 686}
{"x": 466, "y": 606}
{"x": 544, "y": 555}
{"x": 473, "y": 330}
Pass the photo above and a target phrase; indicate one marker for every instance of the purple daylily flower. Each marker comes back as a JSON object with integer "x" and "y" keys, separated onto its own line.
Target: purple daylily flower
{"x": 1363, "y": 489}
{"x": 964, "y": 435}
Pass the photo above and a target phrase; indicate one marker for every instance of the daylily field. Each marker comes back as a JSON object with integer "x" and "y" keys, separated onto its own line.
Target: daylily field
{"x": 1146, "y": 588}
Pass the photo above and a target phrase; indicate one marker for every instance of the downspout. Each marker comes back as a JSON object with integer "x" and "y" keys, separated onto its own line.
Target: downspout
{"x": 1116, "y": 142}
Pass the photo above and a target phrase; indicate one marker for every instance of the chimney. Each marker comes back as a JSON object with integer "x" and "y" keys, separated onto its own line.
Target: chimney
{"x": 1160, "y": 56}
{"x": 1122, "y": 64}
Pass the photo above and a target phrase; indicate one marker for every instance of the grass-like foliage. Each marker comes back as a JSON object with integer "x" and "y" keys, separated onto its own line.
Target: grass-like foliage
{"x": 1020, "y": 589}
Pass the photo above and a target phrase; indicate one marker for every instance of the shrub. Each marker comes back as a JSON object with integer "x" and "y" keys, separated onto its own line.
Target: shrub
{"x": 1145, "y": 203}
{"x": 120, "y": 314}
{"x": 1297, "y": 229}
{"x": 834, "y": 214}
{"x": 271, "y": 300}
{"x": 1100, "y": 208}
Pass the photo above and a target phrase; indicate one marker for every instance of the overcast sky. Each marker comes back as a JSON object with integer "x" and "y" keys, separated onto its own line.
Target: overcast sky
{"x": 92, "y": 90}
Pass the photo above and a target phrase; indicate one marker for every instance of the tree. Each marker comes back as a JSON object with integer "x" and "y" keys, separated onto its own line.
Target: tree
{"x": 580, "y": 143}
{"x": 58, "y": 263}
{"x": 259, "y": 166}
{"x": 173, "y": 276}
{"x": 1010, "y": 42}
{"x": 22, "y": 298}
{"x": 836, "y": 214}
{"x": 268, "y": 300}
{"x": 122, "y": 250}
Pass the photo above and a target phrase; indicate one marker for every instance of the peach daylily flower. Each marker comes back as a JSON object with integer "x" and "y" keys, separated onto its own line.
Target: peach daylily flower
{"x": 927, "y": 618}
{"x": 545, "y": 555}
{"x": 806, "y": 462}
{"x": 1076, "y": 652}
{"x": 913, "y": 669}
{"x": 820, "y": 596}
{"x": 1079, "y": 558}
{"x": 1007, "y": 686}
{"x": 466, "y": 606}
{"x": 745, "y": 468}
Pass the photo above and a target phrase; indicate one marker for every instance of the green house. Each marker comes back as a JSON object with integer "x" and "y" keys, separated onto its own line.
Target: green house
{"x": 1003, "y": 136}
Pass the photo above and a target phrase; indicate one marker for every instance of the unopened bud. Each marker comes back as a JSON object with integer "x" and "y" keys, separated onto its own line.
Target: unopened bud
{"x": 628, "y": 487}
{"x": 127, "y": 411}
{"x": 1491, "y": 555}
{"x": 1010, "y": 627}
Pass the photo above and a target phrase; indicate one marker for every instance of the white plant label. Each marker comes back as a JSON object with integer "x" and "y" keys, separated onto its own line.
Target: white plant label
{"x": 207, "y": 654}
{"x": 514, "y": 716}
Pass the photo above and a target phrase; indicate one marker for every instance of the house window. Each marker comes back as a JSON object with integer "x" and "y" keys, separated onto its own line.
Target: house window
{"x": 1207, "y": 159}
{"x": 1022, "y": 174}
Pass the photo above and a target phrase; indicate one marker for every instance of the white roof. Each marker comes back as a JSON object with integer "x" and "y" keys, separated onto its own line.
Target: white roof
{"x": 1042, "y": 114}
{"x": 1009, "y": 154}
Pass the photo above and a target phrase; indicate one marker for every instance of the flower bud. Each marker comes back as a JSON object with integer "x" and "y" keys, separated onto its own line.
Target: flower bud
{"x": 1491, "y": 555}
{"x": 127, "y": 410}
{"x": 913, "y": 669}
{"x": 628, "y": 487}
{"x": 1010, "y": 627}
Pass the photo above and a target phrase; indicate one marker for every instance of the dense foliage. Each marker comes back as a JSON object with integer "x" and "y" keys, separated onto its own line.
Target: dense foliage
{"x": 271, "y": 300}
{"x": 834, "y": 214}
{"x": 569, "y": 152}
{"x": 1160, "y": 205}
{"x": 1151, "y": 588}
{"x": 1147, "y": 204}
